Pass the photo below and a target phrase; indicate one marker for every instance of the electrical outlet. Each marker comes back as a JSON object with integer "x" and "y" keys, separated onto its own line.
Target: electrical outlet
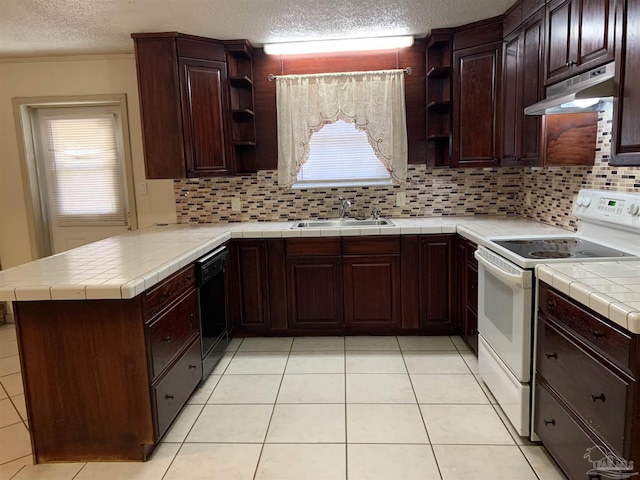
{"x": 401, "y": 199}
{"x": 236, "y": 206}
{"x": 142, "y": 188}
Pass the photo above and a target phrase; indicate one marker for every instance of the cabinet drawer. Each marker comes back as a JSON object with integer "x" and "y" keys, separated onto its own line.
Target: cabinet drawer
{"x": 371, "y": 245}
{"x": 172, "y": 392}
{"x": 561, "y": 435}
{"x": 611, "y": 342}
{"x": 597, "y": 395}
{"x": 172, "y": 330}
{"x": 306, "y": 247}
{"x": 163, "y": 294}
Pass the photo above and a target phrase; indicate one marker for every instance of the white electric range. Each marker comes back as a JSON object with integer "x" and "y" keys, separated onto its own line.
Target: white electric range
{"x": 608, "y": 231}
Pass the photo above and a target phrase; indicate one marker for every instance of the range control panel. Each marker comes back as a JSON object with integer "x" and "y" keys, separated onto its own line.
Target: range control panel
{"x": 606, "y": 207}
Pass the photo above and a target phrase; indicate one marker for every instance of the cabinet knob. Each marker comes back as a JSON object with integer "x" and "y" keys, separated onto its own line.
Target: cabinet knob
{"x": 339, "y": 262}
{"x": 598, "y": 334}
{"x": 163, "y": 297}
{"x": 600, "y": 397}
{"x": 551, "y": 422}
{"x": 551, "y": 355}
{"x": 168, "y": 397}
{"x": 570, "y": 64}
{"x": 166, "y": 339}
{"x": 192, "y": 367}
{"x": 423, "y": 241}
{"x": 551, "y": 305}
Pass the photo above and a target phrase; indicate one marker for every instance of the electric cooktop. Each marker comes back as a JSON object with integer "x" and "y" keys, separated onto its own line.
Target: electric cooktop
{"x": 552, "y": 248}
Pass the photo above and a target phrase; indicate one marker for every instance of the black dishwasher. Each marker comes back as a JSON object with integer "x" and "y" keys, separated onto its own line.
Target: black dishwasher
{"x": 213, "y": 312}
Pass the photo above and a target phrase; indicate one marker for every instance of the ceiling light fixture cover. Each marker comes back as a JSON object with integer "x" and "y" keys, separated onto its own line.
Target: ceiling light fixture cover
{"x": 343, "y": 45}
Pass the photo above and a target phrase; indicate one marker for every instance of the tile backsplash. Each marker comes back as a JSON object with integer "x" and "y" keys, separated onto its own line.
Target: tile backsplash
{"x": 544, "y": 194}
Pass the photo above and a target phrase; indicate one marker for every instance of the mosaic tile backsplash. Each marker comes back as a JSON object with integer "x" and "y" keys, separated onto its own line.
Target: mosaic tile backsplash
{"x": 545, "y": 194}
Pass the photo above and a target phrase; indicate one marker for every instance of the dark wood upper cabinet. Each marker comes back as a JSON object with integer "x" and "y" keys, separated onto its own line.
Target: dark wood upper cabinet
{"x": 580, "y": 36}
{"x": 522, "y": 86}
{"x": 188, "y": 126}
{"x": 477, "y": 106}
{"x": 625, "y": 144}
{"x": 204, "y": 103}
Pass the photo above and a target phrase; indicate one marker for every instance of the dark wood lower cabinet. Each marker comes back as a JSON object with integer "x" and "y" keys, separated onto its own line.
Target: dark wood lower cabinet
{"x": 587, "y": 403}
{"x": 372, "y": 293}
{"x": 315, "y": 292}
{"x": 387, "y": 284}
{"x": 437, "y": 284}
{"x": 468, "y": 292}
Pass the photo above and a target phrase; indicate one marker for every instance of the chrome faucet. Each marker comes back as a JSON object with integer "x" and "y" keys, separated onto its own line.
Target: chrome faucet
{"x": 343, "y": 211}
{"x": 375, "y": 213}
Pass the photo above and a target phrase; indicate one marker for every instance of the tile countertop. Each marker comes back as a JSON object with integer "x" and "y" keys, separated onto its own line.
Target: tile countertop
{"x": 125, "y": 265}
{"x": 610, "y": 288}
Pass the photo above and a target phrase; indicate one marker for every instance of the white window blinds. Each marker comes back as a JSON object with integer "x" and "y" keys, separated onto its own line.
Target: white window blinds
{"x": 84, "y": 162}
{"x": 340, "y": 154}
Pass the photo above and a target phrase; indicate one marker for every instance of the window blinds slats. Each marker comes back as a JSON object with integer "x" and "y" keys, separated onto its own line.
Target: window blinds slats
{"x": 339, "y": 153}
{"x": 86, "y": 175}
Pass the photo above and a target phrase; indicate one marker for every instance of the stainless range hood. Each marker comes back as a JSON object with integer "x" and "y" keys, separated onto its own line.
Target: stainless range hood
{"x": 581, "y": 93}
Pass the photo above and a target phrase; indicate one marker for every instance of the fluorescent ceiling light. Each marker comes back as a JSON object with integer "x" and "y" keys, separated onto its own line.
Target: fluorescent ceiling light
{"x": 344, "y": 45}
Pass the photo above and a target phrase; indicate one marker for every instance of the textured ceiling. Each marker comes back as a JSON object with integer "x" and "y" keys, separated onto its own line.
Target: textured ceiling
{"x": 68, "y": 27}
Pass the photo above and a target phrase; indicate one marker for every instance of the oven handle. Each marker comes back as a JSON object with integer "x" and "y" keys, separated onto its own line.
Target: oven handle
{"x": 516, "y": 279}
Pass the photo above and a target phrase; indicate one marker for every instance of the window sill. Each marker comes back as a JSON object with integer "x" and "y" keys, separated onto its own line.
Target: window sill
{"x": 341, "y": 184}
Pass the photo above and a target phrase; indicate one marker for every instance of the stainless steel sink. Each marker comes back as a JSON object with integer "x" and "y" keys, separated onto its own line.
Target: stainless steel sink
{"x": 343, "y": 223}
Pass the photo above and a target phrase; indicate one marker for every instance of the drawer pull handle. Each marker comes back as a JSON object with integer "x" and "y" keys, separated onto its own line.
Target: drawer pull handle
{"x": 163, "y": 297}
{"x": 551, "y": 305}
{"x": 552, "y": 355}
{"x": 551, "y": 422}
{"x": 599, "y": 397}
{"x": 168, "y": 397}
{"x": 191, "y": 367}
{"x": 166, "y": 339}
{"x": 598, "y": 334}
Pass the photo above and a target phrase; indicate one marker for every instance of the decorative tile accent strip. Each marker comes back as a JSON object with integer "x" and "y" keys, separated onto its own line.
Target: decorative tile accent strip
{"x": 547, "y": 194}
{"x": 429, "y": 192}
{"x": 543, "y": 194}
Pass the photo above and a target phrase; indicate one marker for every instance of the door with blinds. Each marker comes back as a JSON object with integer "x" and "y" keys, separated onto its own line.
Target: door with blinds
{"x": 81, "y": 174}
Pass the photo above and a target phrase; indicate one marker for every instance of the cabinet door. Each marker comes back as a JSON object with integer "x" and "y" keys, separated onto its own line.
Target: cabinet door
{"x": 314, "y": 287}
{"x": 249, "y": 285}
{"x": 477, "y": 103}
{"x": 626, "y": 109}
{"x": 204, "y": 103}
{"x": 561, "y": 50}
{"x": 580, "y": 36}
{"x": 511, "y": 98}
{"x": 372, "y": 292}
{"x": 532, "y": 90}
{"x": 438, "y": 284}
{"x": 595, "y": 39}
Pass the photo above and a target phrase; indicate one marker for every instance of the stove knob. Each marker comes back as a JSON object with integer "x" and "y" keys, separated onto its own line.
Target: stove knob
{"x": 634, "y": 209}
{"x": 580, "y": 201}
{"x": 586, "y": 201}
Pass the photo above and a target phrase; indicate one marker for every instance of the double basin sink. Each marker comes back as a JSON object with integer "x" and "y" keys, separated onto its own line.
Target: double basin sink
{"x": 343, "y": 223}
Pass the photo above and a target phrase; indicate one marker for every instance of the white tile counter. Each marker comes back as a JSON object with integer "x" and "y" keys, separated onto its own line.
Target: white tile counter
{"x": 126, "y": 265}
{"x": 610, "y": 288}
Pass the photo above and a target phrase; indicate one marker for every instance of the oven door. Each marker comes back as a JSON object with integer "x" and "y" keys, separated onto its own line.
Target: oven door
{"x": 505, "y": 293}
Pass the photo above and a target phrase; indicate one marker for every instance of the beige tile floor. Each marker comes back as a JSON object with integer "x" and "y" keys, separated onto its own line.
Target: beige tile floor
{"x": 357, "y": 408}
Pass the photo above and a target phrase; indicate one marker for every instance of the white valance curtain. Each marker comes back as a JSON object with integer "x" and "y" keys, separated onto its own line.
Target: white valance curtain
{"x": 374, "y": 101}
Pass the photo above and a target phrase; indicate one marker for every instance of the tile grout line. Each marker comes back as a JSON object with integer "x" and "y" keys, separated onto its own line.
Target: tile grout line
{"x": 424, "y": 423}
{"x": 21, "y": 468}
{"x": 275, "y": 401}
{"x": 199, "y": 414}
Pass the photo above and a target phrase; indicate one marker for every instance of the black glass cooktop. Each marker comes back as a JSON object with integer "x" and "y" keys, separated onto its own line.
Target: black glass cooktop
{"x": 553, "y": 248}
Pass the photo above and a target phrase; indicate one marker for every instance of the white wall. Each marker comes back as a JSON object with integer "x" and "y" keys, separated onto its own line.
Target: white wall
{"x": 61, "y": 76}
